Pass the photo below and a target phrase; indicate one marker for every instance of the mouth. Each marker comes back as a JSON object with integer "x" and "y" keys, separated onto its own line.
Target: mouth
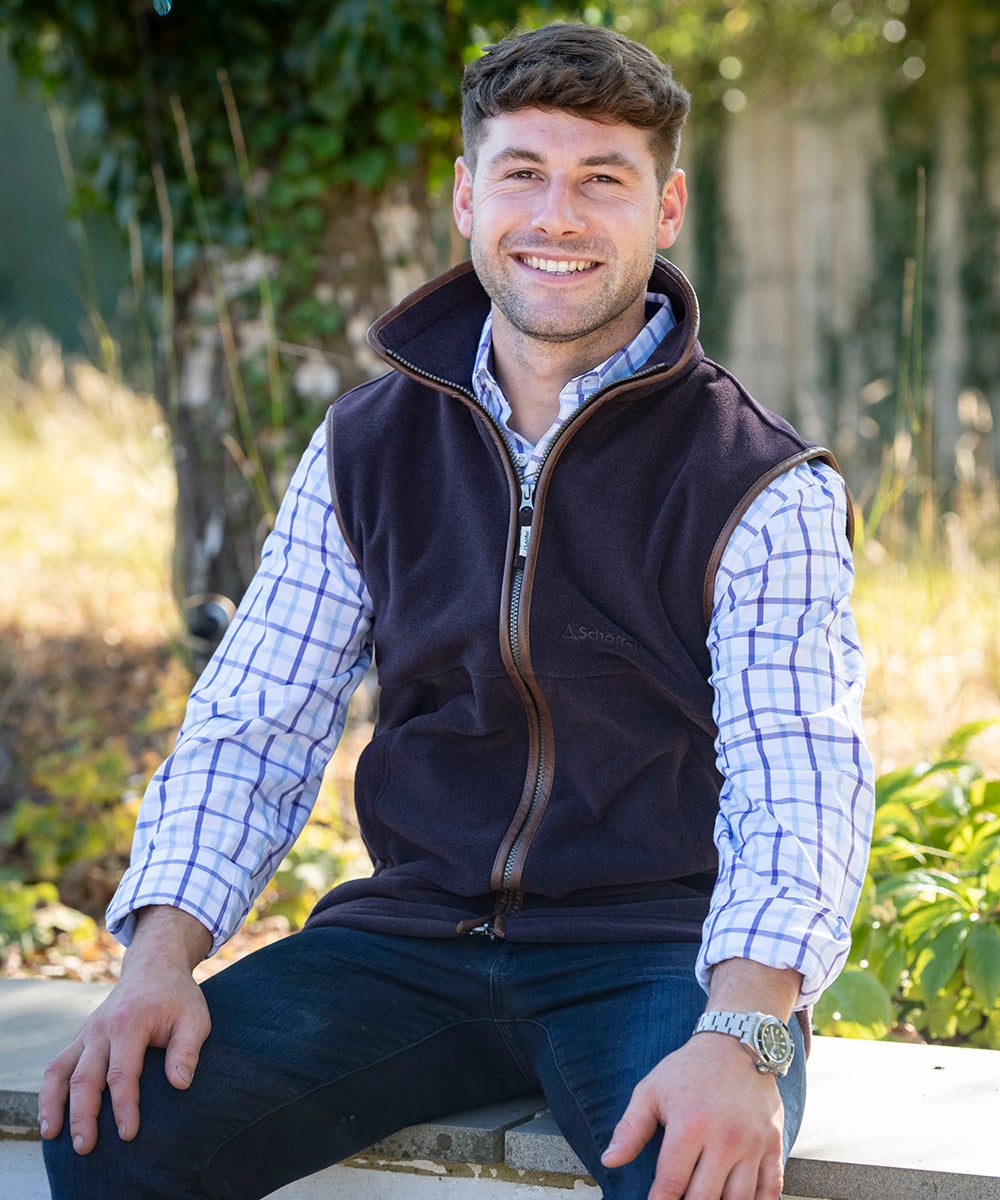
{"x": 555, "y": 266}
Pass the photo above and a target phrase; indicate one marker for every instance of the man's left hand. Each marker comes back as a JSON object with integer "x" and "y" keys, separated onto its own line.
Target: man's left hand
{"x": 722, "y": 1124}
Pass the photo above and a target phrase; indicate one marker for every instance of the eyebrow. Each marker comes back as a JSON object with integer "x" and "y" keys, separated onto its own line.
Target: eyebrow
{"x": 612, "y": 158}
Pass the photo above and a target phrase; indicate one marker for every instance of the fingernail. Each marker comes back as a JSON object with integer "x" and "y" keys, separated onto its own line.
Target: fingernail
{"x": 122, "y": 1130}
{"x": 183, "y": 1072}
{"x": 78, "y": 1141}
{"x": 613, "y": 1146}
{"x": 44, "y": 1128}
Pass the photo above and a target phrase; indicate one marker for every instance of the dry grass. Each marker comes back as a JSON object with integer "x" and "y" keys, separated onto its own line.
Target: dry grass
{"x": 86, "y": 501}
{"x": 932, "y": 646}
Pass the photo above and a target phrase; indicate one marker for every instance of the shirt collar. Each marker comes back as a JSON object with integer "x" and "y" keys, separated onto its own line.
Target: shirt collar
{"x": 623, "y": 362}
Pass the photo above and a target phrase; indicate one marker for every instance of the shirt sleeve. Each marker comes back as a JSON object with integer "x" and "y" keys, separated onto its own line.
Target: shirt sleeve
{"x": 797, "y": 801}
{"x": 260, "y": 726}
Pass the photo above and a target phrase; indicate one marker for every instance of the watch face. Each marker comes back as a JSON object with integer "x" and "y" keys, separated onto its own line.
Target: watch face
{"x": 773, "y": 1041}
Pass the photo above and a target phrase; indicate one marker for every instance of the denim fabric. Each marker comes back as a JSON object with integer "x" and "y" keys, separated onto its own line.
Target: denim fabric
{"x": 331, "y": 1039}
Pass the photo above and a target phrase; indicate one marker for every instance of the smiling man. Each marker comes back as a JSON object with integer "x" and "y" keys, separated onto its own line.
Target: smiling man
{"x": 617, "y": 800}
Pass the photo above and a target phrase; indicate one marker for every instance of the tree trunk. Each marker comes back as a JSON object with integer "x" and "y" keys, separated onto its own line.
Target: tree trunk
{"x": 372, "y": 252}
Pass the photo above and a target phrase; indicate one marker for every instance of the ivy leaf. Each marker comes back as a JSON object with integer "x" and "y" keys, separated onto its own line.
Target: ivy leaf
{"x": 946, "y": 950}
{"x": 887, "y": 785}
{"x": 982, "y": 963}
{"x": 889, "y": 956}
{"x": 399, "y": 123}
{"x": 916, "y": 884}
{"x": 957, "y": 744}
{"x": 942, "y": 1017}
{"x": 855, "y": 1005}
{"x": 370, "y": 168}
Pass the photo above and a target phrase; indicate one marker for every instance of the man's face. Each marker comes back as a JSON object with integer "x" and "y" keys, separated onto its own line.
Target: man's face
{"x": 564, "y": 216}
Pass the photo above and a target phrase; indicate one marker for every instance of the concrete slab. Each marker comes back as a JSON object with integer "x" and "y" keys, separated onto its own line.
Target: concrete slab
{"x": 469, "y": 1137}
{"x": 540, "y": 1142}
{"x": 892, "y": 1120}
{"x": 882, "y": 1120}
{"x": 40, "y": 1017}
{"x": 346, "y": 1183}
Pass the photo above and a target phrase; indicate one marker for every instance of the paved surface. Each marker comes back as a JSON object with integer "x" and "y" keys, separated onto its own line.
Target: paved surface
{"x": 883, "y": 1122}
{"x": 38, "y": 1018}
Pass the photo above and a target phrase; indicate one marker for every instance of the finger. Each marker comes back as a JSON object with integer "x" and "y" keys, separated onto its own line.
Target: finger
{"x": 638, "y": 1124}
{"x": 86, "y": 1086}
{"x": 128, "y": 1050}
{"x": 676, "y": 1164}
{"x": 184, "y": 1047}
{"x": 54, "y": 1092}
{"x": 742, "y": 1183}
{"x": 770, "y": 1177}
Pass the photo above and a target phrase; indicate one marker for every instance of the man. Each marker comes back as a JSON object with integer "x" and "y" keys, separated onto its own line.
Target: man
{"x": 609, "y": 595}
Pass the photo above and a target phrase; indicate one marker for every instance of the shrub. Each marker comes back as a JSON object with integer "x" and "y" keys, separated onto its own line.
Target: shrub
{"x": 925, "y": 961}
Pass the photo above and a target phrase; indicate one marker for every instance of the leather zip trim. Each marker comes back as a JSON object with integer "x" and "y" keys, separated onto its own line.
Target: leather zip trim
{"x": 333, "y": 488}
{"x": 509, "y": 861}
{"x": 538, "y": 781}
{"x": 810, "y": 454}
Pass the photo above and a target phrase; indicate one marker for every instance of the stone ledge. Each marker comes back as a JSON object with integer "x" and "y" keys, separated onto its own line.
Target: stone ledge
{"x": 888, "y": 1120}
{"x": 884, "y": 1122}
{"x": 38, "y": 1019}
{"x": 479, "y": 1136}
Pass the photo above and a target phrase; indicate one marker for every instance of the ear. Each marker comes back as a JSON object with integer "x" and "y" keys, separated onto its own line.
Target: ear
{"x": 672, "y": 205}
{"x": 461, "y": 201}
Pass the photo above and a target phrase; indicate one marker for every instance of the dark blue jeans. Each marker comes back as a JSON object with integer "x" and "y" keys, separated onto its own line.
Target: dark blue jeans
{"x": 331, "y": 1039}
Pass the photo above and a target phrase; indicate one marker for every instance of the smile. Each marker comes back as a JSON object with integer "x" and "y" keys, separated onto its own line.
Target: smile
{"x": 554, "y": 267}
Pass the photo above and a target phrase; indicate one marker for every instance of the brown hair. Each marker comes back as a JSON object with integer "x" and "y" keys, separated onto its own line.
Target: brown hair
{"x": 592, "y": 72}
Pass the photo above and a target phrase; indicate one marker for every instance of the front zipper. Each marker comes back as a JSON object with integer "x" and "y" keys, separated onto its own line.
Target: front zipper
{"x": 509, "y": 899}
{"x": 525, "y": 516}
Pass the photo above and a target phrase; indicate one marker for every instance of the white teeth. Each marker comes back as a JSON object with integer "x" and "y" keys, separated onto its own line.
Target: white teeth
{"x": 557, "y": 268}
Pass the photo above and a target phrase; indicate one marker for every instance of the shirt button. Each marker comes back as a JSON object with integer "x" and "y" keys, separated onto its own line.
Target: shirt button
{"x": 521, "y": 460}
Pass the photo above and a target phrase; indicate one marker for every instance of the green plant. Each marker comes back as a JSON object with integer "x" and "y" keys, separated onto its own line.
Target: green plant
{"x": 31, "y": 916}
{"x": 926, "y": 949}
{"x": 318, "y": 860}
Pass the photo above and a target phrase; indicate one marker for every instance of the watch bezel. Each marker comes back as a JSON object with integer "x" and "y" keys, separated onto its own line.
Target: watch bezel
{"x": 768, "y": 1060}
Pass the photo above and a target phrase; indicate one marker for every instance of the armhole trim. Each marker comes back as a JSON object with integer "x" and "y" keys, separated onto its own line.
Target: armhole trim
{"x": 811, "y": 454}
{"x": 334, "y": 499}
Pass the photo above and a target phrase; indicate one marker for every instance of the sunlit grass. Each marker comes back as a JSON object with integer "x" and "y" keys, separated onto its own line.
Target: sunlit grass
{"x": 932, "y": 646}
{"x": 86, "y": 503}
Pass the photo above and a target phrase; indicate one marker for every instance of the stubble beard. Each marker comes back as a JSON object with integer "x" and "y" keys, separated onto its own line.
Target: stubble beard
{"x": 570, "y": 324}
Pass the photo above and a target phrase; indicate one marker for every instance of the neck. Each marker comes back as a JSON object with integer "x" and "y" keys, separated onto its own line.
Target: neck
{"x": 532, "y": 372}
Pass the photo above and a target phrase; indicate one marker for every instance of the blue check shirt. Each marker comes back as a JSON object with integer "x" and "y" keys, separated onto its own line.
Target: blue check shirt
{"x": 797, "y": 803}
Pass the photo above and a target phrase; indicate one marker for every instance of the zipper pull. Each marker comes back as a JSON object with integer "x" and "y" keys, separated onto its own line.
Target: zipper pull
{"x": 524, "y": 515}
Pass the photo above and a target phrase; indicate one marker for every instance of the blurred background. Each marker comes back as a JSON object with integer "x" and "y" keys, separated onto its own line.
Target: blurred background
{"x": 202, "y": 211}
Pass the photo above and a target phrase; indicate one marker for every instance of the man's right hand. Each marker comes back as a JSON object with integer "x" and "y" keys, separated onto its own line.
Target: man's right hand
{"x": 155, "y": 1003}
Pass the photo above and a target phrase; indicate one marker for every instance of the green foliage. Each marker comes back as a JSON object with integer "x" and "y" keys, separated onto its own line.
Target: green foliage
{"x": 84, "y": 817}
{"x": 331, "y": 97}
{"x": 31, "y": 916}
{"x": 926, "y": 950}
{"x": 313, "y": 865}
{"x": 223, "y": 134}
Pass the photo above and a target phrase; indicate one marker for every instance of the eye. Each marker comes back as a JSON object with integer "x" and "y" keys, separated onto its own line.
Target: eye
{"x": 604, "y": 179}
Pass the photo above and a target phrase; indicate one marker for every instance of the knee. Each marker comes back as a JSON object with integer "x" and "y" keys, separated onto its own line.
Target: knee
{"x": 59, "y": 1156}
{"x": 75, "y": 1176}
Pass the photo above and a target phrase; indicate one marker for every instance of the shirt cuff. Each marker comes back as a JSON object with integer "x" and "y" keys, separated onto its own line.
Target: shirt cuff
{"x": 215, "y": 894}
{"x": 783, "y": 932}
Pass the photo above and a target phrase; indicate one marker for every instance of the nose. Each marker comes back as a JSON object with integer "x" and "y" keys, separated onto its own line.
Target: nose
{"x": 558, "y": 211}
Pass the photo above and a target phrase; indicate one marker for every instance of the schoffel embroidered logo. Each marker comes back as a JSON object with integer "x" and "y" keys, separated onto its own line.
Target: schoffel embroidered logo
{"x": 613, "y": 641}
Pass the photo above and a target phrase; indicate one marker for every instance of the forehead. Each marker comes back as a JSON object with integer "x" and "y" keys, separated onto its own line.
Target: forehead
{"x": 559, "y": 137}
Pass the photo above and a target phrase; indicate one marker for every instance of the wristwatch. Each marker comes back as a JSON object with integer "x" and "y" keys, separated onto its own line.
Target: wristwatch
{"x": 765, "y": 1038}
